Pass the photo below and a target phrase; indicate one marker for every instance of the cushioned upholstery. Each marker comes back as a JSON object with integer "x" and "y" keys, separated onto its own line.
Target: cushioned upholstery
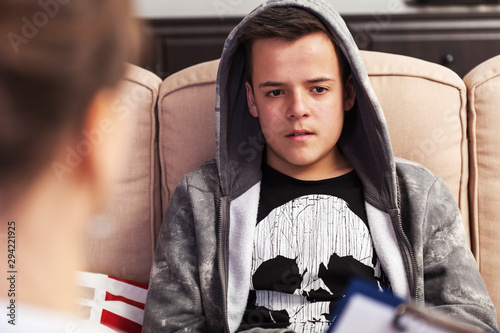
{"x": 187, "y": 123}
{"x": 425, "y": 106}
{"x": 483, "y": 84}
{"x": 121, "y": 241}
{"x": 426, "y": 110}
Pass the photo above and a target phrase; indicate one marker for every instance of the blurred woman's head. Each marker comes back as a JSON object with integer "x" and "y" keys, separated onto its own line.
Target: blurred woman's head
{"x": 60, "y": 65}
{"x": 56, "y": 59}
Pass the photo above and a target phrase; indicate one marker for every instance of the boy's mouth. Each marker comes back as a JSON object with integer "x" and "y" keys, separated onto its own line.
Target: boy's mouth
{"x": 299, "y": 133}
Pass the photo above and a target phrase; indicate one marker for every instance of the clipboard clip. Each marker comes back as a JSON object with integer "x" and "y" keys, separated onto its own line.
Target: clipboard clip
{"x": 411, "y": 318}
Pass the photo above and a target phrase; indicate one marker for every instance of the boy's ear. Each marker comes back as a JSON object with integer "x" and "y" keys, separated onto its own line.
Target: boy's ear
{"x": 349, "y": 94}
{"x": 252, "y": 106}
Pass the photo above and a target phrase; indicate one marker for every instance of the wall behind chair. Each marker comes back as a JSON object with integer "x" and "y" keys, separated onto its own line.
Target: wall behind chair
{"x": 238, "y": 8}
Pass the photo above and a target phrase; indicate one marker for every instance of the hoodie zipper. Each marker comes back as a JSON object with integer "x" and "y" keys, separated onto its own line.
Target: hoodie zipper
{"x": 222, "y": 254}
{"x": 406, "y": 247}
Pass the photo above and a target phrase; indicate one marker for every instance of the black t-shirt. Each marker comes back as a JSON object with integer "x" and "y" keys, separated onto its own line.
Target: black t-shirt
{"x": 311, "y": 238}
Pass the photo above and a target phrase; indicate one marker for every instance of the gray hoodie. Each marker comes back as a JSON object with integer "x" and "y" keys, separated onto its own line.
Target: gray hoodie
{"x": 201, "y": 274}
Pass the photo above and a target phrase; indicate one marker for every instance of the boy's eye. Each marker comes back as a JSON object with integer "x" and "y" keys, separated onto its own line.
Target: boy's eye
{"x": 319, "y": 90}
{"x": 274, "y": 93}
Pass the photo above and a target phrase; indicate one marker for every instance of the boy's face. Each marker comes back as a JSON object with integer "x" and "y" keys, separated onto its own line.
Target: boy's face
{"x": 300, "y": 101}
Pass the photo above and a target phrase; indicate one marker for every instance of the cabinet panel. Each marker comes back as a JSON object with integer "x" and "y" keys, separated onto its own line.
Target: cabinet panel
{"x": 460, "y": 56}
{"x": 458, "y": 42}
{"x": 178, "y": 44}
{"x": 181, "y": 53}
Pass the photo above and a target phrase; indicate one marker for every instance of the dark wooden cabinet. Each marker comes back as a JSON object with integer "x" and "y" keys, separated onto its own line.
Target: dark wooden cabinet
{"x": 177, "y": 44}
{"x": 459, "y": 41}
{"x": 459, "y": 37}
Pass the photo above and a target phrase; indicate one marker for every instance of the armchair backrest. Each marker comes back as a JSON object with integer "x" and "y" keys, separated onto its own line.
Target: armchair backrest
{"x": 483, "y": 85}
{"x": 121, "y": 241}
{"x": 186, "y": 115}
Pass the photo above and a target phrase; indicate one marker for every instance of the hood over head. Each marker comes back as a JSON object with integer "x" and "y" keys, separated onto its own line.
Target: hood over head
{"x": 240, "y": 143}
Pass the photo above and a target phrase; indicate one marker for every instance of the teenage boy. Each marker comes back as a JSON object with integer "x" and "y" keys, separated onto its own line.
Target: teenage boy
{"x": 267, "y": 237}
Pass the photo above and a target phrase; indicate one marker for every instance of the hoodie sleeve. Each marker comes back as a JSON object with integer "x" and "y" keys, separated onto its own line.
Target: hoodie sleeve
{"x": 174, "y": 301}
{"x": 452, "y": 281}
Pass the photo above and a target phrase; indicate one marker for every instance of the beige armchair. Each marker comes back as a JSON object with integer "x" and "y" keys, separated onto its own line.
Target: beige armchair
{"x": 429, "y": 120}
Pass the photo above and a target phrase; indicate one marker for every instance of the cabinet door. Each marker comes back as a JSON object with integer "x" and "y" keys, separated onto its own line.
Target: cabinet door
{"x": 457, "y": 44}
{"x": 178, "y": 44}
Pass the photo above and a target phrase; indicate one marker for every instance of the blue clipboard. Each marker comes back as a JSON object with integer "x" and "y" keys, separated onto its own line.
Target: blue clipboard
{"x": 366, "y": 309}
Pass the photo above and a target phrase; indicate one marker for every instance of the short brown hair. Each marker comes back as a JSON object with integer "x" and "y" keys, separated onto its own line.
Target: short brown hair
{"x": 55, "y": 55}
{"x": 290, "y": 24}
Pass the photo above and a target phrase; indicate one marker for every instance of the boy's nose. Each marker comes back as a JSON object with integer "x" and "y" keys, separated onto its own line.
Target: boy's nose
{"x": 297, "y": 107}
